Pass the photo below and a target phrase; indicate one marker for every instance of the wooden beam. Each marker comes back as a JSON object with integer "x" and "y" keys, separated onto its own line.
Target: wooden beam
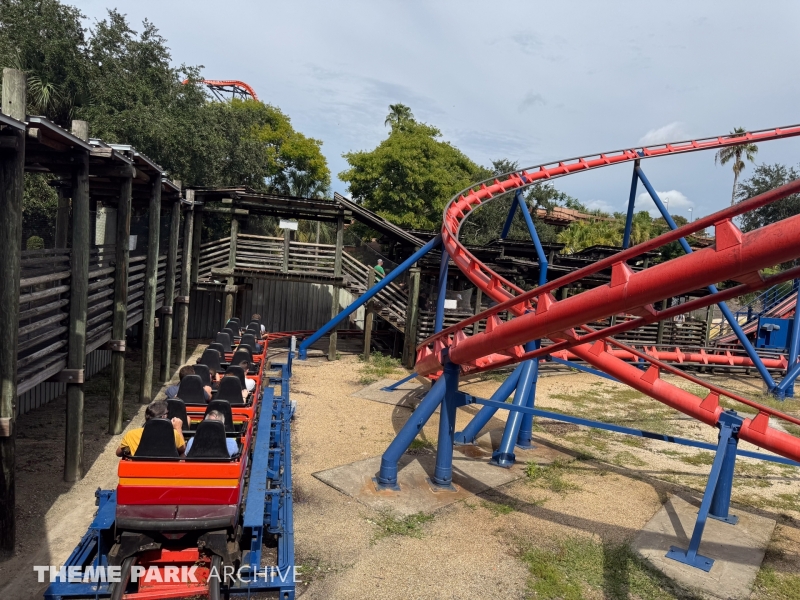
{"x": 78, "y": 307}
{"x": 62, "y": 219}
{"x": 412, "y": 319}
{"x": 230, "y": 289}
{"x": 169, "y": 292}
{"x": 197, "y": 234}
{"x": 337, "y": 272}
{"x": 368, "y": 317}
{"x": 150, "y": 282}
{"x": 12, "y": 184}
{"x": 287, "y": 238}
{"x": 186, "y": 278}
{"x": 120, "y": 319}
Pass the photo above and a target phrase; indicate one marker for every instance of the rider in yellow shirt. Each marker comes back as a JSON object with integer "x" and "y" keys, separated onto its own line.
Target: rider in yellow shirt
{"x": 157, "y": 409}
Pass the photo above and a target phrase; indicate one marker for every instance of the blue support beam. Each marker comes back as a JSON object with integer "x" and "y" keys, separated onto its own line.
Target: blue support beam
{"x": 443, "y": 471}
{"x": 397, "y": 384}
{"x": 626, "y": 238}
{"x": 726, "y": 312}
{"x": 486, "y": 413}
{"x": 510, "y": 217}
{"x": 367, "y": 296}
{"x": 525, "y": 435}
{"x": 794, "y": 342}
{"x": 438, "y": 324}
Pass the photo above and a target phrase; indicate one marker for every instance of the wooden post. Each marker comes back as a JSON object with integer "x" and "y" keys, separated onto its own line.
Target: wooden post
{"x": 337, "y": 289}
{"x": 230, "y": 294}
{"x": 12, "y": 184}
{"x": 120, "y": 322}
{"x": 709, "y": 323}
{"x": 287, "y": 237}
{"x": 150, "y": 280}
{"x": 660, "y": 334}
{"x": 197, "y": 234}
{"x": 478, "y": 307}
{"x": 169, "y": 292}
{"x": 62, "y": 220}
{"x": 368, "y": 316}
{"x": 186, "y": 277}
{"x": 412, "y": 318}
{"x": 78, "y": 306}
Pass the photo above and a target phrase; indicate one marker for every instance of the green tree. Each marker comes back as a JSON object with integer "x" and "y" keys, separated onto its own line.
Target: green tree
{"x": 399, "y": 114}
{"x": 735, "y": 153}
{"x": 46, "y": 40}
{"x": 410, "y": 176}
{"x": 764, "y": 179}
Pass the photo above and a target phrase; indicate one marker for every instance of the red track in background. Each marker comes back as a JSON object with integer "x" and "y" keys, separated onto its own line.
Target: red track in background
{"x": 232, "y": 83}
{"x": 735, "y": 256}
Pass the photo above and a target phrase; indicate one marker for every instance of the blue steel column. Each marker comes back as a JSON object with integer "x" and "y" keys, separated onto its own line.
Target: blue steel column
{"x": 439, "y": 322}
{"x": 504, "y": 455}
{"x": 486, "y": 413}
{"x": 525, "y": 435}
{"x": 732, "y": 321}
{"x": 794, "y": 343}
{"x": 387, "y": 477}
{"x": 626, "y": 239}
{"x": 368, "y": 295}
{"x": 510, "y": 218}
{"x": 443, "y": 473}
{"x": 721, "y": 500}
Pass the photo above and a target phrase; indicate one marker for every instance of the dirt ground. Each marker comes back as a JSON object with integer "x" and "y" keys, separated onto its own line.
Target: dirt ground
{"x": 561, "y": 532}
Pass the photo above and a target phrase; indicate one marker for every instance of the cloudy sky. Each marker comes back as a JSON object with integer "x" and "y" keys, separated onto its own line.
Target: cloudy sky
{"x": 531, "y": 82}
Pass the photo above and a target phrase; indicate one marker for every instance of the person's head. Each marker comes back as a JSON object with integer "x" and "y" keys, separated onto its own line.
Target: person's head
{"x": 380, "y": 261}
{"x": 215, "y": 415}
{"x": 244, "y": 364}
{"x": 212, "y": 371}
{"x": 185, "y": 370}
{"x": 255, "y": 317}
{"x": 157, "y": 409}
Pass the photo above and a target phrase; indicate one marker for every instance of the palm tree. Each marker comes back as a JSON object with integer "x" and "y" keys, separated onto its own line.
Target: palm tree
{"x": 398, "y": 114}
{"x": 735, "y": 153}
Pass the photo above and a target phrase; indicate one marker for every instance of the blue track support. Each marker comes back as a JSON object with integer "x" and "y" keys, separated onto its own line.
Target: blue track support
{"x": 721, "y": 500}
{"x": 467, "y": 399}
{"x": 486, "y": 413}
{"x": 543, "y": 266}
{"x": 504, "y": 455}
{"x": 794, "y": 343}
{"x": 525, "y": 435}
{"x": 443, "y": 472}
{"x": 580, "y": 367}
{"x": 729, "y": 427}
{"x": 387, "y": 476}
{"x": 729, "y": 316}
{"x": 626, "y": 238}
{"x": 509, "y": 218}
{"x": 368, "y": 295}
{"x": 397, "y": 384}
{"x": 438, "y": 324}
{"x": 782, "y": 389}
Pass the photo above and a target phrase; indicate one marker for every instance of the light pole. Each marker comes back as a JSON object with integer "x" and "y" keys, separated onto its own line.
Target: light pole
{"x": 690, "y": 215}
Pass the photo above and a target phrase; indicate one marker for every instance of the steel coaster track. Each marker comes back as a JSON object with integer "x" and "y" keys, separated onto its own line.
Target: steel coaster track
{"x": 538, "y": 314}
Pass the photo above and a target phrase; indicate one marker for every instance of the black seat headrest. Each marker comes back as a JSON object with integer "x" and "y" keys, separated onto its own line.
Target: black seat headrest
{"x": 232, "y": 324}
{"x": 235, "y": 320}
{"x": 242, "y": 354}
{"x": 177, "y": 408}
{"x": 238, "y": 371}
{"x": 249, "y": 340}
{"x": 191, "y": 390}
{"x": 209, "y": 441}
{"x": 216, "y": 346}
{"x": 230, "y": 332}
{"x": 211, "y": 358}
{"x": 202, "y": 371}
{"x": 224, "y": 407}
{"x": 230, "y": 389}
{"x": 158, "y": 440}
{"x": 225, "y": 340}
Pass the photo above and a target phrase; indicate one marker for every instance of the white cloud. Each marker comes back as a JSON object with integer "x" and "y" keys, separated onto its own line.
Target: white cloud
{"x": 599, "y": 204}
{"x": 672, "y": 132}
{"x": 676, "y": 202}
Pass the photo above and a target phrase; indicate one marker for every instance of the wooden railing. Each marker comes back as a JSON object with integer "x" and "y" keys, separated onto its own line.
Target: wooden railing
{"x": 391, "y": 302}
{"x": 213, "y": 255}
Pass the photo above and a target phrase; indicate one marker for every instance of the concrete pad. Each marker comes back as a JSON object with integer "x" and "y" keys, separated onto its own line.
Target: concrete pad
{"x": 737, "y": 550}
{"x": 409, "y": 394}
{"x": 472, "y": 474}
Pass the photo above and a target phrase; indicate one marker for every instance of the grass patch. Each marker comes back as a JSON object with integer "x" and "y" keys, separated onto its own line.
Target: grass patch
{"x": 579, "y": 568}
{"x": 410, "y": 526}
{"x": 419, "y": 446}
{"x": 378, "y": 366}
{"x": 628, "y": 459}
{"x": 701, "y": 458}
{"x": 779, "y": 501}
{"x": 777, "y": 586}
{"x": 497, "y": 508}
{"x": 551, "y": 476}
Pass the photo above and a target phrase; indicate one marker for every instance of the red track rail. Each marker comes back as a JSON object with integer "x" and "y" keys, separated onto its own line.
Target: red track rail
{"x": 231, "y": 82}
{"x": 735, "y": 256}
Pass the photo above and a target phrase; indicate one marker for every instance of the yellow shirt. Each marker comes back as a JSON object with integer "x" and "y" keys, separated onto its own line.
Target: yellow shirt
{"x": 131, "y": 439}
